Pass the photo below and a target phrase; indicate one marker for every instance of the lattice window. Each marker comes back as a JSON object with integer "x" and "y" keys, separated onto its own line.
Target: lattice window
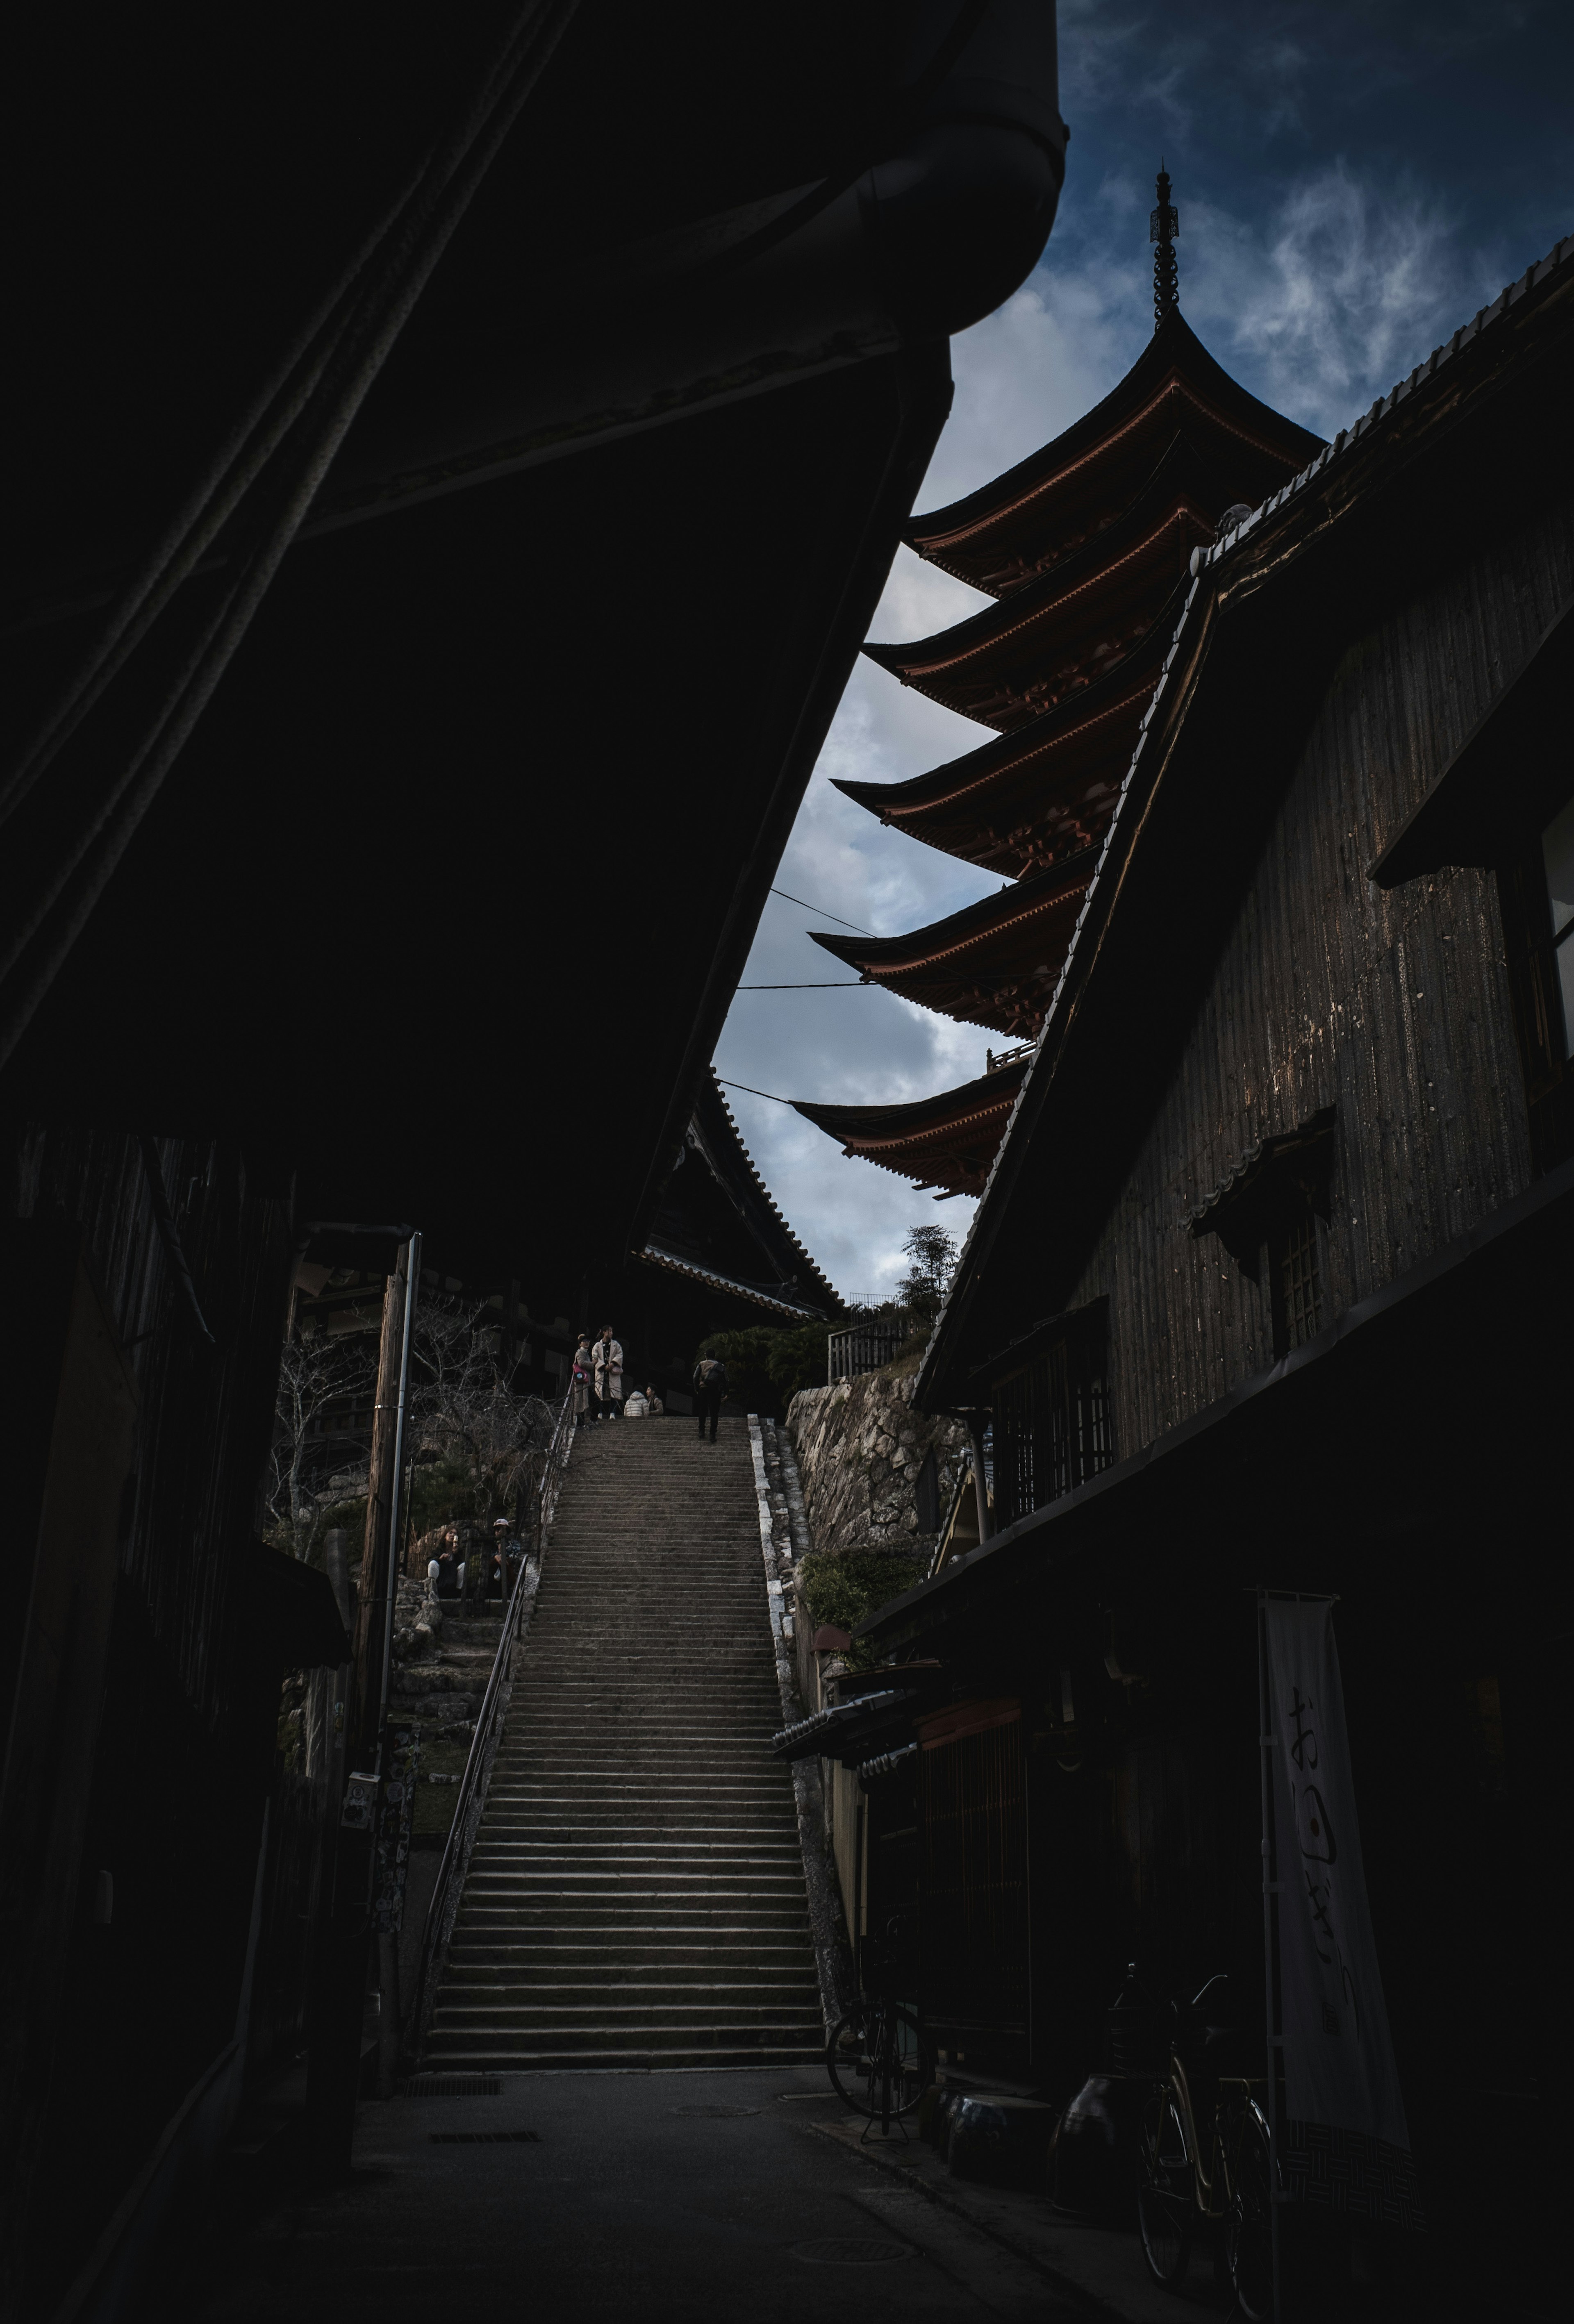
{"x": 1298, "y": 1285}
{"x": 1052, "y": 1427}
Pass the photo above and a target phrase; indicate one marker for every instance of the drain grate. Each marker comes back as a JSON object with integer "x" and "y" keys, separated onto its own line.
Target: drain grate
{"x": 848, "y": 2251}
{"x": 451, "y": 2086}
{"x": 484, "y": 2137}
{"x": 715, "y": 2113}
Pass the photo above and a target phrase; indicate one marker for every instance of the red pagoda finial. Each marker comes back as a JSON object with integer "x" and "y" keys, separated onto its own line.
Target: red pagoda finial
{"x": 1163, "y": 226}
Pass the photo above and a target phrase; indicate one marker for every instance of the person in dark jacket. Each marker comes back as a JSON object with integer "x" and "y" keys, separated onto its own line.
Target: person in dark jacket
{"x": 710, "y": 1386}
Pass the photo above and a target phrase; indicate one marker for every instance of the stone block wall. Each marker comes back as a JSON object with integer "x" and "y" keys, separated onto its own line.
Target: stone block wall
{"x": 860, "y": 1448}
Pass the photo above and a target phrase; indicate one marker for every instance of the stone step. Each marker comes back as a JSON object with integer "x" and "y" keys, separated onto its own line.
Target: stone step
{"x": 636, "y": 1892}
{"x": 690, "y": 2032}
{"x": 598, "y": 1834}
{"x": 588, "y": 1972}
{"x": 607, "y": 1918}
{"x": 660, "y": 2024}
{"x": 482, "y": 2053}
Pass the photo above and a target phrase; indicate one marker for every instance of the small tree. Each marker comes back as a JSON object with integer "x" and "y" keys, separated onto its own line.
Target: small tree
{"x": 932, "y": 1254}
{"x": 462, "y": 1412}
{"x": 314, "y": 1375}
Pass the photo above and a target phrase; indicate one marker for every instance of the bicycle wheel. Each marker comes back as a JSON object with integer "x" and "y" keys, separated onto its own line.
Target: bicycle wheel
{"x": 1166, "y": 2213}
{"x": 877, "y": 2061}
{"x": 1249, "y": 2233}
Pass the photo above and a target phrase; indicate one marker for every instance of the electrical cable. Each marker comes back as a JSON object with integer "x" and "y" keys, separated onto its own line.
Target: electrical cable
{"x": 825, "y": 915}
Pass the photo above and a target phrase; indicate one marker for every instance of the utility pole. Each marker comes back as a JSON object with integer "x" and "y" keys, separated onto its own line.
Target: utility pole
{"x": 339, "y": 1994}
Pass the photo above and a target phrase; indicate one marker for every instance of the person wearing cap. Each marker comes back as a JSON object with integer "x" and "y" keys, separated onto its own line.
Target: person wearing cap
{"x": 507, "y": 1555}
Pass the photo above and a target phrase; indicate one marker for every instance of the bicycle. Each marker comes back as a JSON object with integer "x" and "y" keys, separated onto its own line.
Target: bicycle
{"x": 1187, "y": 2182}
{"x": 878, "y": 2057}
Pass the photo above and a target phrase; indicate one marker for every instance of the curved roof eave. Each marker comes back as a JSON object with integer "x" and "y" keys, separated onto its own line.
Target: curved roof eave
{"x": 1175, "y": 345}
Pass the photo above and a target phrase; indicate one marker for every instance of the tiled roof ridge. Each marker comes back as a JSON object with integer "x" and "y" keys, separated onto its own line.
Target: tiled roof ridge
{"x": 655, "y": 1256}
{"x": 1467, "y": 333}
{"x": 816, "y": 1271}
{"x": 1561, "y": 254}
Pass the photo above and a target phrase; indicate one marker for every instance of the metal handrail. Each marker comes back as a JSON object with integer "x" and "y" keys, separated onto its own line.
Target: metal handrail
{"x": 449, "y": 1886}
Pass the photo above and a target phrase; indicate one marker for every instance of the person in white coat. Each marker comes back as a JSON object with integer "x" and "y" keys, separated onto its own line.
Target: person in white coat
{"x": 609, "y": 1374}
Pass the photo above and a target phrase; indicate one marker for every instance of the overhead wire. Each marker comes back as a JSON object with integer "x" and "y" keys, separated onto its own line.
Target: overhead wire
{"x": 825, "y": 915}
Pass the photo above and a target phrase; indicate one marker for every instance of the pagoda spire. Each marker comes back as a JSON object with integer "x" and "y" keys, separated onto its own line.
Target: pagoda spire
{"x": 1163, "y": 226}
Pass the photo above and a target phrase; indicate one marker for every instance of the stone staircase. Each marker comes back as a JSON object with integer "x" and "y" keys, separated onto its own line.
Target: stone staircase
{"x": 636, "y": 1892}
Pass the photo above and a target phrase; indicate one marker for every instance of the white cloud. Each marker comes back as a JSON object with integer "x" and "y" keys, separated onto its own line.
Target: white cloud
{"x": 1330, "y": 301}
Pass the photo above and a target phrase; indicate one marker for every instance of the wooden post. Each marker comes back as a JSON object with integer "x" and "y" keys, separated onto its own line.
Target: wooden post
{"x": 975, "y": 1431}
{"x": 380, "y": 1550}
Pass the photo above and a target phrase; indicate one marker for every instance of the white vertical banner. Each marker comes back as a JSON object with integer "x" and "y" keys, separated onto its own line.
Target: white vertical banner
{"x": 1344, "y": 2141}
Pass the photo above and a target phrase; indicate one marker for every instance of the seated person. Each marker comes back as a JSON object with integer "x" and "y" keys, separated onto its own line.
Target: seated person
{"x": 446, "y": 1571}
{"x": 636, "y": 1406}
{"x": 653, "y": 1404}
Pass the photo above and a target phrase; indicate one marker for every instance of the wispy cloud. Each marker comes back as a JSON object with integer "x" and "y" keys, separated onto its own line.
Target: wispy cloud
{"x": 1326, "y": 304}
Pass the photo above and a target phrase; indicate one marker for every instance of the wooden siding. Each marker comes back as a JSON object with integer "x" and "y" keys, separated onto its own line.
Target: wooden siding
{"x": 1394, "y": 1009}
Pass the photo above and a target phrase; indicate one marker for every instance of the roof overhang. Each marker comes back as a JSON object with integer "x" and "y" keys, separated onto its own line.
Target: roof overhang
{"x": 426, "y": 837}
{"x": 1466, "y": 1347}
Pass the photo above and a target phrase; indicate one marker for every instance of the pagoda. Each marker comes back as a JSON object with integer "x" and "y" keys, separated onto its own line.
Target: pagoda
{"x": 1086, "y": 548}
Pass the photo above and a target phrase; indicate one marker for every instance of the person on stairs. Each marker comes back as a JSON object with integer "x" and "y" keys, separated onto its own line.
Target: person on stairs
{"x": 609, "y": 1374}
{"x": 710, "y": 1386}
{"x": 637, "y": 1405}
{"x": 583, "y": 1375}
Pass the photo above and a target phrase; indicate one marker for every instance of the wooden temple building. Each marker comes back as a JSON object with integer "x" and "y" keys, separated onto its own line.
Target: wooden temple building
{"x": 1269, "y": 1283}
{"x": 1085, "y": 547}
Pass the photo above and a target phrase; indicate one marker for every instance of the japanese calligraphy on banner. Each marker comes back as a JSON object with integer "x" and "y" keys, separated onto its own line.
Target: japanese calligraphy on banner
{"x": 1344, "y": 2141}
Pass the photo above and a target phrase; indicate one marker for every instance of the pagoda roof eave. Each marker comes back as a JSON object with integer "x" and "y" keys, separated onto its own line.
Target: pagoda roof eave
{"x": 976, "y": 780}
{"x": 947, "y": 1141}
{"x": 915, "y": 1117}
{"x": 961, "y": 931}
{"x": 992, "y": 965}
{"x": 1180, "y": 480}
{"x": 1174, "y": 346}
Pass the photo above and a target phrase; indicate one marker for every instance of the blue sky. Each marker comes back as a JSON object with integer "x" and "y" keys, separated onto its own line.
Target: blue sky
{"x": 1353, "y": 181}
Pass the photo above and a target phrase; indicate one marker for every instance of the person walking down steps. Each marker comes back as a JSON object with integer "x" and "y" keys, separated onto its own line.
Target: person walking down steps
{"x": 609, "y": 1374}
{"x": 710, "y": 1386}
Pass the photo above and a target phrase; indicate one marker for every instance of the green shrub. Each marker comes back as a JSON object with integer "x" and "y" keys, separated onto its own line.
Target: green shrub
{"x": 768, "y": 1364}
{"x": 842, "y": 1590}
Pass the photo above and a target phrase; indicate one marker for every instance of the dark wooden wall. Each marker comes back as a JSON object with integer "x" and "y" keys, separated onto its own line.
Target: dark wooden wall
{"x": 1393, "y": 1008}
{"x": 184, "y": 1757}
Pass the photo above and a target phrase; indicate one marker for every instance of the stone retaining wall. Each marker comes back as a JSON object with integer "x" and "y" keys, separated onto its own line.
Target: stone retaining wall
{"x": 860, "y": 1448}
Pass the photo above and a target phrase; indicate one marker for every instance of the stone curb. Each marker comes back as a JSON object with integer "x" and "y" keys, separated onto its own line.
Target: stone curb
{"x": 807, "y": 1793}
